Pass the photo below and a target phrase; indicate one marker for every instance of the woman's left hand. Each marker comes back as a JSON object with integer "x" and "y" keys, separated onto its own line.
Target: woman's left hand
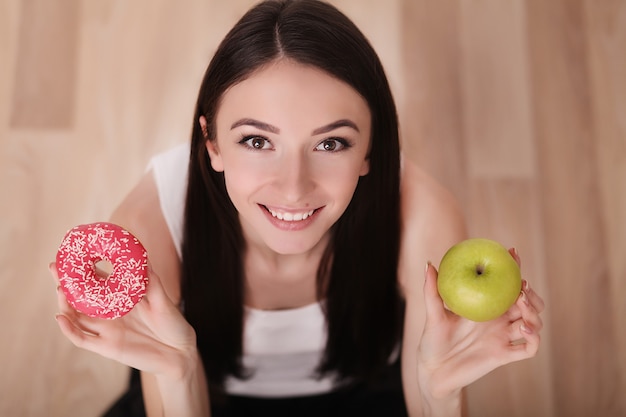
{"x": 454, "y": 351}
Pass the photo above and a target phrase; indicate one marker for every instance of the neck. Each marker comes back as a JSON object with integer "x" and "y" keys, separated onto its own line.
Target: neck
{"x": 279, "y": 281}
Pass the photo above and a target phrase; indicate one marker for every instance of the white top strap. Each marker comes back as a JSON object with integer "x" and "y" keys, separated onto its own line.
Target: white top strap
{"x": 170, "y": 174}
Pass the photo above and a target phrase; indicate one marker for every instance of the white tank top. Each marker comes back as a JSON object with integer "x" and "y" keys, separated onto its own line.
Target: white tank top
{"x": 281, "y": 348}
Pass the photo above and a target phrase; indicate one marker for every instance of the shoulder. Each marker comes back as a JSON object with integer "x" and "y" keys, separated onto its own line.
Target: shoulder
{"x": 424, "y": 199}
{"x": 140, "y": 213}
{"x": 432, "y": 221}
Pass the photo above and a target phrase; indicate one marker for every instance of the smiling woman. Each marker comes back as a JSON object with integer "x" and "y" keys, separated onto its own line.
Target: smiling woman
{"x": 288, "y": 244}
{"x": 298, "y": 90}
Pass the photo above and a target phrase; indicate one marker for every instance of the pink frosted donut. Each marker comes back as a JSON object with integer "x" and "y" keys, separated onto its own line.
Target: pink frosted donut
{"x": 111, "y": 297}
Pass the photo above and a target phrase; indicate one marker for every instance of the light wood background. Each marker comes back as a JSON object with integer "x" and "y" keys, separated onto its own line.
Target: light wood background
{"x": 519, "y": 107}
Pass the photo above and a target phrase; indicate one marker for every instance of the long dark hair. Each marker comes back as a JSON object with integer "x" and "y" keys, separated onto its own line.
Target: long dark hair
{"x": 357, "y": 277}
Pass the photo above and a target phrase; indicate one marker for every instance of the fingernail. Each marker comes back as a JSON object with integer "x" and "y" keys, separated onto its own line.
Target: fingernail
{"x": 526, "y": 329}
{"x": 525, "y": 285}
{"x": 516, "y": 256}
{"x": 524, "y": 297}
{"x": 426, "y": 269}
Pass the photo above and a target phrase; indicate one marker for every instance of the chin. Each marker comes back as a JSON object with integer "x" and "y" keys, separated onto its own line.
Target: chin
{"x": 286, "y": 249}
{"x": 295, "y": 246}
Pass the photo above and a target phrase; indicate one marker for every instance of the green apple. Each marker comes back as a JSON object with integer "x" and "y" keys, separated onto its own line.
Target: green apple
{"x": 479, "y": 279}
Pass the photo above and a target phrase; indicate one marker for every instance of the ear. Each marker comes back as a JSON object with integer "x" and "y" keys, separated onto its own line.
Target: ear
{"x": 211, "y": 146}
{"x": 203, "y": 127}
{"x": 365, "y": 167}
{"x": 214, "y": 154}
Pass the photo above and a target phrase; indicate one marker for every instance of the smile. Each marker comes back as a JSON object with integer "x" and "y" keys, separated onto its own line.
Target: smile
{"x": 290, "y": 217}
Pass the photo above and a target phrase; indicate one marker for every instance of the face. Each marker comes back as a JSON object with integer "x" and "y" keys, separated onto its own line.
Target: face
{"x": 292, "y": 142}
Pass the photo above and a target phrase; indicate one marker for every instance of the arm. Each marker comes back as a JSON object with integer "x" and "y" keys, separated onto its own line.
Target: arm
{"x": 154, "y": 337}
{"x": 432, "y": 223}
{"x": 442, "y": 352}
{"x": 163, "y": 395}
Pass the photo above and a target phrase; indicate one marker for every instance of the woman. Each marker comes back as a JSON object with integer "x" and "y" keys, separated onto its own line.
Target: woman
{"x": 288, "y": 245}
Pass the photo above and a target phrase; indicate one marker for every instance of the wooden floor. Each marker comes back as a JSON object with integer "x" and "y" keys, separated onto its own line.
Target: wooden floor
{"x": 518, "y": 106}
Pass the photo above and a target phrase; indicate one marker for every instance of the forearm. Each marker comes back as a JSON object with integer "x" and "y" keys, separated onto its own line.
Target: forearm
{"x": 422, "y": 398}
{"x": 186, "y": 394}
{"x": 450, "y": 406}
{"x": 422, "y": 404}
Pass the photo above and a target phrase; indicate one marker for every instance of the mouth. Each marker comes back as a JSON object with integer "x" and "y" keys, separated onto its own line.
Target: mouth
{"x": 291, "y": 216}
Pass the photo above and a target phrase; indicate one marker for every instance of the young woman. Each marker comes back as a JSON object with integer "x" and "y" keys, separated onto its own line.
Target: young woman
{"x": 290, "y": 245}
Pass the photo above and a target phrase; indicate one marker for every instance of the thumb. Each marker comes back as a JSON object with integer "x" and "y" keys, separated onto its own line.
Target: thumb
{"x": 435, "y": 310}
{"x": 155, "y": 292}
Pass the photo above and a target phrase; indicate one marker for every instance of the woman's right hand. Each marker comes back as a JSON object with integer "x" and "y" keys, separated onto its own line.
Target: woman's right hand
{"x": 153, "y": 337}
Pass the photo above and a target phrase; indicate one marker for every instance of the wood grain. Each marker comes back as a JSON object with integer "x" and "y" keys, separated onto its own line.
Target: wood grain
{"x": 44, "y": 86}
{"x": 575, "y": 239}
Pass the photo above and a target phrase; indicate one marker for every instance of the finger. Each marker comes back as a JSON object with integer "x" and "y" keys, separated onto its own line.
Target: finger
{"x": 52, "y": 267}
{"x": 64, "y": 306}
{"x": 529, "y": 313}
{"x": 154, "y": 290}
{"x": 517, "y": 332}
{"x": 156, "y": 299}
{"x": 516, "y": 256}
{"x": 435, "y": 309}
{"x": 535, "y": 300}
{"x": 74, "y": 333}
{"x": 513, "y": 313}
{"x": 525, "y": 347}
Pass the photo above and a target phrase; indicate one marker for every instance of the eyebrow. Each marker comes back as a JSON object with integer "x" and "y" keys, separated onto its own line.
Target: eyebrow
{"x": 336, "y": 125}
{"x": 273, "y": 129}
{"x": 255, "y": 123}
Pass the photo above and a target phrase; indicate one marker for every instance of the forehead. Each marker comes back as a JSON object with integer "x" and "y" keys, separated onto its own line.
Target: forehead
{"x": 286, "y": 87}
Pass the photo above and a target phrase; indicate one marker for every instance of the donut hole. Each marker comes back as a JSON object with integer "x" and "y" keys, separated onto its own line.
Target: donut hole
{"x": 104, "y": 268}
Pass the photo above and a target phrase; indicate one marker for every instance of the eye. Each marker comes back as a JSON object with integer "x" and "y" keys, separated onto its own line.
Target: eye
{"x": 256, "y": 142}
{"x": 332, "y": 145}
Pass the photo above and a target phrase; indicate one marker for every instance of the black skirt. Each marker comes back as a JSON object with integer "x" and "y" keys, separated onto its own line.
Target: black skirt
{"x": 382, "y": 398}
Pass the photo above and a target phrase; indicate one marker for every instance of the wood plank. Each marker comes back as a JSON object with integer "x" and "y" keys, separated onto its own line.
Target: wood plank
{"x": 44, "y": 86}
{"x": 432, "y": 128}
{"x": 606, "y": 40}
{"x": 584, "y": 342}
{"x": 497, "y": 121}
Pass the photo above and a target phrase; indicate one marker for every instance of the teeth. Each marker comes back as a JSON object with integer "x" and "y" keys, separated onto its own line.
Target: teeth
{"x": 290, "y": 217}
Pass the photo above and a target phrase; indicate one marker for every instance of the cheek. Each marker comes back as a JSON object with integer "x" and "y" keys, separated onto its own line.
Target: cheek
{"x": 348, "y": 190}
{"x": 241, "y": 181}
{"x": 341, "y": 182}
{"x": 236, "y": 183}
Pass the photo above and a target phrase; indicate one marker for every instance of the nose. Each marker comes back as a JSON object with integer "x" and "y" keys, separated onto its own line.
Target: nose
{"x": 293, "y": 178}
